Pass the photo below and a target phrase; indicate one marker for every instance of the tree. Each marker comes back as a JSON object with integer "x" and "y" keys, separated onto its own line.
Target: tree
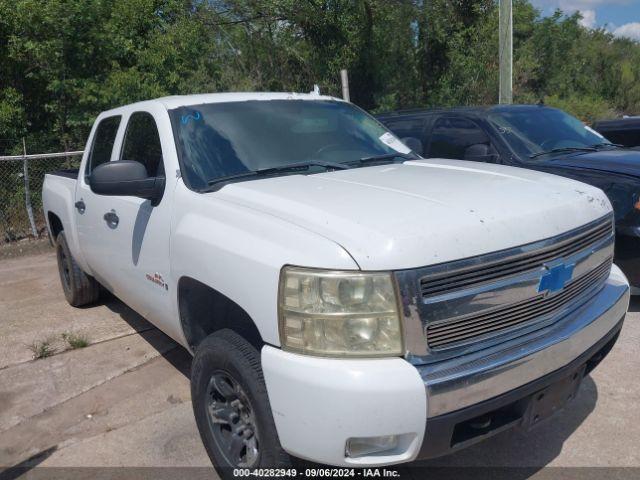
{"x": 63, "y": 61}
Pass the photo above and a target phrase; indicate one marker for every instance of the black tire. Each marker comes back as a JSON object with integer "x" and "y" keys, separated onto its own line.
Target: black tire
{"x": 222, "y": 356}
{"x": 78, "y": 287}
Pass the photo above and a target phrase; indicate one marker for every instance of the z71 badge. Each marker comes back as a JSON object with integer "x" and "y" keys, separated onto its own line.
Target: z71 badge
{"x": 158, "y": 280}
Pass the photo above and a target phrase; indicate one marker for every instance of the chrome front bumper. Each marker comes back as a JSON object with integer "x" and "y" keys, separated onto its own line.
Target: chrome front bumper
{"x": 470, "y": 379}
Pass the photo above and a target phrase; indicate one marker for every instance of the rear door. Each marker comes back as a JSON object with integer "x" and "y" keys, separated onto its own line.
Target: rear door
{"x": 459, "y": 138}
{"x": 410, "y": 130}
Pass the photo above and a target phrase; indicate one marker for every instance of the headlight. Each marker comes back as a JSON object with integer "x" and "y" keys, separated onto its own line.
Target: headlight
{"x": 342, "y": 314}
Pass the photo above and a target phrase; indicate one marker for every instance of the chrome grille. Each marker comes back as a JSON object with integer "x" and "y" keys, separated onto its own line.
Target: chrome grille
{"x": 454, "y": 308}
{"x": 475, "y": 327}
{"x": 448, "y": 282}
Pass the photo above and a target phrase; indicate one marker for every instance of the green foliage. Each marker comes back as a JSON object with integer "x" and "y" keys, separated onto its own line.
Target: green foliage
{"x": 63, "y": 61}
{"x": 586, "y": 108}
{"x": 12, "y": 116}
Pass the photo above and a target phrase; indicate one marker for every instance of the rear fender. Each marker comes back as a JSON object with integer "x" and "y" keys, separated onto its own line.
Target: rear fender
{"x": 58, "y": 197}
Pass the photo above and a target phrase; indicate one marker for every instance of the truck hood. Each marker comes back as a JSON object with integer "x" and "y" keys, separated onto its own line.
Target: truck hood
{"x": 424, "y": 212}
{"x": 626, "y": 162}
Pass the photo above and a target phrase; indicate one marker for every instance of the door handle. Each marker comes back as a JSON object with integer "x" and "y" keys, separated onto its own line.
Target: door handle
{"x": 112, "y": 219}
{"x": 80, "y": 206}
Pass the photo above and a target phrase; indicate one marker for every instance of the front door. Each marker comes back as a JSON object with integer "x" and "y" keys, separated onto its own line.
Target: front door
{"x": 132, "y": 237}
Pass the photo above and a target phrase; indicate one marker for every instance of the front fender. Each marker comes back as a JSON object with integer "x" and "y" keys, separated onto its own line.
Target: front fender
{"x": 239, "y": 252}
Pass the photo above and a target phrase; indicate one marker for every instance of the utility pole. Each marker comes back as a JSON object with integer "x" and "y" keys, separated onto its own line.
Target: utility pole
{"x": 505, "y": 34}
{"x": 344, "y": 77}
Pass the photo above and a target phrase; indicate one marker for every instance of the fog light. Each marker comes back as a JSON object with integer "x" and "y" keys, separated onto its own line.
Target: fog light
{"x": 360, "y": 447}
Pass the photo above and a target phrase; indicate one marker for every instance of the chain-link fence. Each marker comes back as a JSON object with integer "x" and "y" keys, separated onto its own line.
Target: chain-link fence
{"x": 21, "y": 180}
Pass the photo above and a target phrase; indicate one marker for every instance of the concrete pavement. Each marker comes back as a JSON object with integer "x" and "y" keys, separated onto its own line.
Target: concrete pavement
{"x": 124, "y": 400}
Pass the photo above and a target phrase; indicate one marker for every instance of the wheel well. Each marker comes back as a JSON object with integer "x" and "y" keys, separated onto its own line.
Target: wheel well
{"x": 204, "y": 311}
{"x": 55, "y": 225}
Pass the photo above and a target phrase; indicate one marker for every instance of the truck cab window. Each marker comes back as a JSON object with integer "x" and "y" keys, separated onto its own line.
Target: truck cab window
{"x": 103, "y": 142}
{"x": 411, "y": 127}
{"x": 142, "y": 143}
{"x": 453, "y": 137}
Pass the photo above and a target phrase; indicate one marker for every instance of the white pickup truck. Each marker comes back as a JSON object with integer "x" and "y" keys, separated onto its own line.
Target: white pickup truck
{"x": 346, "y": 301}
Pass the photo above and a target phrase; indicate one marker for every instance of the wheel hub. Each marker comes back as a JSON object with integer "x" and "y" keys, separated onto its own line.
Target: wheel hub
{"x": 62, "y": 258}
{"x": 232, "y": 421}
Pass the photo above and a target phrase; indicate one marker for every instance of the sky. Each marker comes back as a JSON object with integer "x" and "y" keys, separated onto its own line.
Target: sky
{"x": 621, "y": 17}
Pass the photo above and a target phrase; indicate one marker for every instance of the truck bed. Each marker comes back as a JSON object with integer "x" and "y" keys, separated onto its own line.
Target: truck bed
{"x": 58, "y": 200}
{"x": 67, "y": 172}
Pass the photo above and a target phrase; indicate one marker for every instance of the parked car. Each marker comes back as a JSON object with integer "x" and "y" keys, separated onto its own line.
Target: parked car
{"x": 346, "y": 302}
{"x": 624, "y": 131}
{"x": 538, "y": 138}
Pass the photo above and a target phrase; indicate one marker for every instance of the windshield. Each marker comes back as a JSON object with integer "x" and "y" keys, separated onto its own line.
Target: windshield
{"x": 533, "y": 131}
{"x": 218, "y": 140}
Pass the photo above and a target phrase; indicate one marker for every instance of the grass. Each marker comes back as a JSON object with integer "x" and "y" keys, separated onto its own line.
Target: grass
{"x": 42, "y": 349}
{"x": 46, "y": 348}
{"x": 75, "y": 340}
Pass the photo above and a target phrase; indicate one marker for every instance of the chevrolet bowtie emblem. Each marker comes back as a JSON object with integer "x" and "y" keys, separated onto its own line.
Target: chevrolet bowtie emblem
{"x": 555, "y": 278}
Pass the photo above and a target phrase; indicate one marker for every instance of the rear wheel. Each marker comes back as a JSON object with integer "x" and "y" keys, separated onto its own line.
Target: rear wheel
{"x": 79, "y": 288}
{"x": 231, "y": 406}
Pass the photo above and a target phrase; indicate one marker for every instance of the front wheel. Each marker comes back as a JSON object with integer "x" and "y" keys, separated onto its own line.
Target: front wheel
{"x": 231, "y": 406}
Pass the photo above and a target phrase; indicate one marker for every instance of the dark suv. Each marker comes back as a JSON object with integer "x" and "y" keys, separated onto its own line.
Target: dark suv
{"x": 621, "y": 130}
{"x": 539, "y": 138}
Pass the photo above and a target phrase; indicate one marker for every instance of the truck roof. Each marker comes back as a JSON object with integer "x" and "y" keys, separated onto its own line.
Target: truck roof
{"x": 176, "y": 101}
{"x": 624, "y": 123}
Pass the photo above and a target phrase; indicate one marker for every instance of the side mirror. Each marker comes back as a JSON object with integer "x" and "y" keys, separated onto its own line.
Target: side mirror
{"x": 414, "y": 144}
{"x": 480, "y": 152}
{"x": 126, "y": 178}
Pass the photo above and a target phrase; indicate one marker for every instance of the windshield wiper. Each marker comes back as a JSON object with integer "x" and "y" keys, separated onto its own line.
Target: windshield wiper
{"x": 292, "y": 167}
{"x": 607, "y": 144}
{"x": 383, "y": 157}
{"x": 564, "y": 149}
